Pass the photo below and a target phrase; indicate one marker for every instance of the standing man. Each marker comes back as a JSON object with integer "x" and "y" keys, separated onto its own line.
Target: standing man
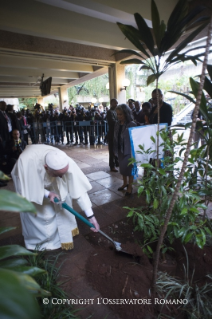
{"x": 40, "y": 174}
{"x": 5, "y": 124}
{"x": 164, "y": 108}
{"x": 138, "y": 114}
{"x": 112, "y": 119}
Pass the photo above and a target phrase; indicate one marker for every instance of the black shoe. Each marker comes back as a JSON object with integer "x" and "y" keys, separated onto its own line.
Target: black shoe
{"x": 122, "y": 187}
{"x": 114, "y": 170}
{"x": 67, "y": 143}
{"x": 76, "y": 143}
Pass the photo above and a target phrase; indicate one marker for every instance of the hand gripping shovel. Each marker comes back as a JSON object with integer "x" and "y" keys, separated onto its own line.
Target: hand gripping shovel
{"x": 72, "y": 211}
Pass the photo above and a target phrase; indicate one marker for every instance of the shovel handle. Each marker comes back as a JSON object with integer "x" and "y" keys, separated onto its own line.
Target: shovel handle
{"x": 72, "y": 211}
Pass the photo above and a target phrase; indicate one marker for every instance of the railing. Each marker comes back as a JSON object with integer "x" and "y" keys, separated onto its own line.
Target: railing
{"x": 93, "y": 132}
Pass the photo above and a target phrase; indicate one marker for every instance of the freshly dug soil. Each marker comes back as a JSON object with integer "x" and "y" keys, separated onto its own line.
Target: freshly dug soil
{"x": 120, "y": 276}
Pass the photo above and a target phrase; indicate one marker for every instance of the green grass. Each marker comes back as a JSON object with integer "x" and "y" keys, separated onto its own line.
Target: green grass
{"x": 48, "y": 281}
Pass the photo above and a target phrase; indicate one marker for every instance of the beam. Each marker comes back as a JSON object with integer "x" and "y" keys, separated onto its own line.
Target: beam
{"x": 87, "y": 77}
{"x": 24, "y": 42}
{"x": 38, "y": 19}
{"x": 28, "y": 80}
{"x": 40, "y": 63}
{"x": 8, "y": 71}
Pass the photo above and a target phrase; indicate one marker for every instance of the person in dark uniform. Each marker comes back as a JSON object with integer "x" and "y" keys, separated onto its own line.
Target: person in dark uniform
{"x": 112, "y": 119}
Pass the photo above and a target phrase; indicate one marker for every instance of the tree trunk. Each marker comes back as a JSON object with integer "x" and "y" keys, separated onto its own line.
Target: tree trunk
{"x": 158, "y": 107}
{"x": 174, "y": 197}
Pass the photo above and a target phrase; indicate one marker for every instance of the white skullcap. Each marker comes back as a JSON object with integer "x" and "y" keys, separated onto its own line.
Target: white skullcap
{"x": 56, "y": 160}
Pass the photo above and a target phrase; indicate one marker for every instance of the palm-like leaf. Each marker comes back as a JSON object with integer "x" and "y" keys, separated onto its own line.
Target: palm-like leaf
{"x": 133, "y": 35}
{"x": 145, "y": 32}
{"x": 153, "y": 43}
{"x": 156, "y": 23}
{"x": 132, "y": 61}
{"x": 208, "y": 86}
{"x": 209, "y": 68}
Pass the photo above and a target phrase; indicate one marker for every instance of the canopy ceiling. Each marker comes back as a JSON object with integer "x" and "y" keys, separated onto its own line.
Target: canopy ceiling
{"x": 70, "y": 40}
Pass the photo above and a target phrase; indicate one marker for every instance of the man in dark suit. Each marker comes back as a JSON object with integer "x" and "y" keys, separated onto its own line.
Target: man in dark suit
{"x": 112, "y": 119}
{"x": 13, "y": 150}
{"x": 5, "y": 129}
{"x": 5, "y": 124}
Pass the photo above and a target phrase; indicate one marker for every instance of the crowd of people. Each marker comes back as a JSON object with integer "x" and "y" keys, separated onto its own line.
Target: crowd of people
{"x": 94, "y": 125}
{"x": 120, "y": 118}
{"x": 57, "y": 175}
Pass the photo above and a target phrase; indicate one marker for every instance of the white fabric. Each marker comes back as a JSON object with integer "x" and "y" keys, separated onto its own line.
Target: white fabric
{"x": 29, "y": 171}
{"x": 56, "y": 159}
{"x": 89, "y": 212}
{"x": 141, "y": 135}
{"x": 53, "y": 225}
{"x": 46, "y": 193}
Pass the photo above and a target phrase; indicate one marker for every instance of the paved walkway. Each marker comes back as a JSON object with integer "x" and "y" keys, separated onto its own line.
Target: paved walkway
{"x": 107, "y": 205}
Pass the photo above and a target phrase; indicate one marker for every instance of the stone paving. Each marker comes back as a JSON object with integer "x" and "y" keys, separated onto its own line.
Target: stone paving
{"x": 107, "y": 205}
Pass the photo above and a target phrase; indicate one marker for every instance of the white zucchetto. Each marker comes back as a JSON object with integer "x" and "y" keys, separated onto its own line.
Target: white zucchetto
{"x": 56, "y": 160}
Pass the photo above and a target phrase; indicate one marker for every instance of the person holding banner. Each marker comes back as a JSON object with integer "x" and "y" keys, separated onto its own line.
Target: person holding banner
{"x": 122, "y": 146}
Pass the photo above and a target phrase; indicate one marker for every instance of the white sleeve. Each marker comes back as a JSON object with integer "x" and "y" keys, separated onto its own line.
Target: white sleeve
{"x": 85, "y": 204}
{"x": 46, "y": 193}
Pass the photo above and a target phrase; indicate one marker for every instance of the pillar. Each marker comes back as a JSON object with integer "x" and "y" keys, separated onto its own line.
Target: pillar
{"x": 63, "y": 98}
{"x": 40, "y": 100}
{"x": 116, "y": 76}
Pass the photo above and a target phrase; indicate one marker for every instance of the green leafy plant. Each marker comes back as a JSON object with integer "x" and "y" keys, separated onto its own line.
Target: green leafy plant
{"x": 18, "y": 289}
{"x": 49, "y": 281}
{"x": 157, "y": 187}
{"x": 198, "y": 297}
{"x": 153, "y": 44}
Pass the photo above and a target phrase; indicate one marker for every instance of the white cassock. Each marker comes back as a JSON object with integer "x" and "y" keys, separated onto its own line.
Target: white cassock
{"x": 53, "y": 227}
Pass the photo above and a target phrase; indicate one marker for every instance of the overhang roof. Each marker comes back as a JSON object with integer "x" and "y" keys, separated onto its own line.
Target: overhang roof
{"x": 70, "y": 40}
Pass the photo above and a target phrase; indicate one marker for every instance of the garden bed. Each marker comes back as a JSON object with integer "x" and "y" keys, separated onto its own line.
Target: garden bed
{"x": 120, "y": 276}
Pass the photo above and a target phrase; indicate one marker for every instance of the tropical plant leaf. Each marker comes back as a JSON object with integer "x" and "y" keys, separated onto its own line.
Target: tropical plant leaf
{"x": 145, "y": 32}
{"x": 28, "y": 270}
{"x": 145, "y": 67}
{"x": 130, "y": 52}
{"x": 133, "y": 35}
{"x": 13, "y": 250}
{"x": 209, "y": 68}
{"x": 203, "y": 104}
{"x": 178, "y": 13}
{"x": 31, "y": 285}
{"x": 208, "y": 86}
{"x": 184, "y": 95}
{"x": 187, "y": 40}
{"x": 12, "y": 263}
{"x": 162, "y": 33}
{"x": 13, "y": 202}
{"x": 15, "y": 300}
{"x": 132, "y": 61}
{"x": 6, "y": 229}
{"x": 195, "y": 48}
{"x": 151, "y": 78}
{"x": 155, "y": 22}
{"x": 155, "y": 203}
{"x": 4, "y": 177}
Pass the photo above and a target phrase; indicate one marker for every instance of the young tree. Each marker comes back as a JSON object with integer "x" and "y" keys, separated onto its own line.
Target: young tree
{"x": 153, "y": 44}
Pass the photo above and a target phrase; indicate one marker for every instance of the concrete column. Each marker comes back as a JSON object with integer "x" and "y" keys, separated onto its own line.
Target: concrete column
{"x": 63, "y": 98}
{"x": 116, "y": 76}
{"x": 40, "y": 100}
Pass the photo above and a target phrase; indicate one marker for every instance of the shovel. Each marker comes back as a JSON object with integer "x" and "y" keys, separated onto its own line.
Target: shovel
{"x": 116, "y": 244}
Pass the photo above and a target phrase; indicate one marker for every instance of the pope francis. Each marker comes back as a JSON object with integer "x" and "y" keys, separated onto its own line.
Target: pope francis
{"x": 41, "y": 173}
